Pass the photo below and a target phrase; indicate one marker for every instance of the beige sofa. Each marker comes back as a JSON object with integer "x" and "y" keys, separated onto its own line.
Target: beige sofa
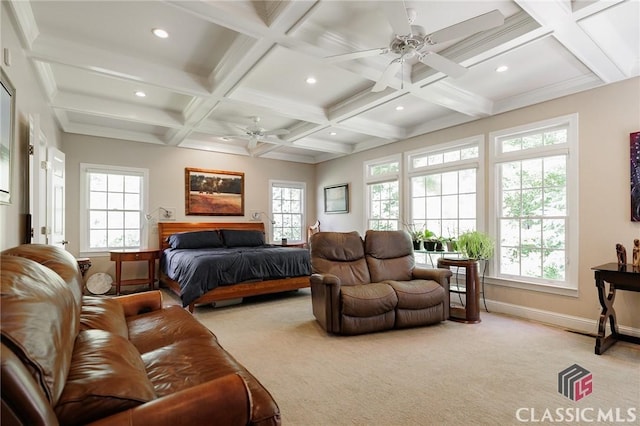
{"x": 373, "y": 285}
{"x": 71, "y": 360}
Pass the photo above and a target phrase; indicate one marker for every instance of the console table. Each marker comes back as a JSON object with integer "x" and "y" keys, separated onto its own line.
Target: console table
{"x": 470, "y": 313}
{"x": 619, "y": 277}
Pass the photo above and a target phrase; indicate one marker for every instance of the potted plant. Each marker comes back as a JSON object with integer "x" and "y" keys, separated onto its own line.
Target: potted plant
{"x": 440, "y": 243}
{"x": 430, "y": 240}
{"x": 451, "y": 243}
{"x": 416, "y": 236}
{"x": 476, "y": 245}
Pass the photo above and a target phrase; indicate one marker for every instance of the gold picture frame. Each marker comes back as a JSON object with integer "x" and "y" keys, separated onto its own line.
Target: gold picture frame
{"x": 214, "y": 192}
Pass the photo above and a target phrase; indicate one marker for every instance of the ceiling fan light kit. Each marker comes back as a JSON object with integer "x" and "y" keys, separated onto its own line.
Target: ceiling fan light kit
{"x": 256, "y": 134}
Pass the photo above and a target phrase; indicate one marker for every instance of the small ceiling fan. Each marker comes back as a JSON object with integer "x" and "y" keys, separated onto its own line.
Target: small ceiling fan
{"x": 256, "y": 134}
{"x": 411, "y": 41}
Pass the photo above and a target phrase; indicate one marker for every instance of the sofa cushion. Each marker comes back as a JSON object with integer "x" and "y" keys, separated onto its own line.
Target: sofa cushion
{"x": 389, "y": 255}
{"x": 40, "y": 320}
{"x": 156, "y": 329}
{"x": 340, "y": 254}
{"x": 368, "y": 300}
{"x": 106, "y": 376}
{"x": 195, "y": 239}
{"x": 103, "y": 313}
{"x": 418, "y": 294}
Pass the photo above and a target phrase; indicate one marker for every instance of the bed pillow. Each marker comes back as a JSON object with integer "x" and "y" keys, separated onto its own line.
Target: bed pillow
{"x": 196, "y": 239}
{"x": 242, "y": 238}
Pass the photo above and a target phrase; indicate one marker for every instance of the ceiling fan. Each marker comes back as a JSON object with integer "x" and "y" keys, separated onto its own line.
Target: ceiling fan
{"x": 411, "y": 41}
{"x": 256, "y": 134}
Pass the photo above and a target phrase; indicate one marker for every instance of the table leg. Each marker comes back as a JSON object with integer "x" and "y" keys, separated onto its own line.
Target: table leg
{"x": 118, "y": 276}
{"x": 151, "y": 272}
{"x": 606, "y": 301}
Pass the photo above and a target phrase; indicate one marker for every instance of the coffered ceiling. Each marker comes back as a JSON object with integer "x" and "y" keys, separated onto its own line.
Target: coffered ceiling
{"x": 226, "y": 62}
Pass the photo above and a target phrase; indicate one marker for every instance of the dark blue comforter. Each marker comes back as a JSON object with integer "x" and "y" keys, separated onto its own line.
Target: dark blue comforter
{"x": 201, "y": 270}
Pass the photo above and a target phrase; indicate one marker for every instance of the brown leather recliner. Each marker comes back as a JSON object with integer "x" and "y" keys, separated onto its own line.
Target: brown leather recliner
{"x": 373, "y": 285}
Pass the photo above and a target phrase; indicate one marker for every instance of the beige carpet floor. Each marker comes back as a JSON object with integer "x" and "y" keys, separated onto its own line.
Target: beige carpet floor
{"x": 449, "y": 374}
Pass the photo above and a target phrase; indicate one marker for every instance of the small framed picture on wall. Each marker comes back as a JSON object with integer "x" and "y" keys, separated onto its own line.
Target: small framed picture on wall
{"x": 336, "y": 198}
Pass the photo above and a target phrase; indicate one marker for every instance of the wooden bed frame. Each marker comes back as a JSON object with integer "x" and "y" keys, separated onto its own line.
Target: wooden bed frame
{"x": 235, "y": 291}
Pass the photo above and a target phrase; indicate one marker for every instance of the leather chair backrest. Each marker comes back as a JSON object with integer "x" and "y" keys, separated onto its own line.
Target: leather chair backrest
{"x": 389, "y": 255}
{"x": 340, "y": 254}
{"x": 40, "y": 319}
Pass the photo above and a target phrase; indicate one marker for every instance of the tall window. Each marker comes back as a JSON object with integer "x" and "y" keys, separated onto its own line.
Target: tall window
{"x": 113, "y": 201}
{"x": 535, "y": 202}
{"x": 382, "y": 178}
{"x": 287, "y": 210}
{"x": 443, "y": 184}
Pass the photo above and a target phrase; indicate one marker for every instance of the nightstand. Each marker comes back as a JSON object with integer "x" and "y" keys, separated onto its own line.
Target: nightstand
{"x": 149, "y": 256}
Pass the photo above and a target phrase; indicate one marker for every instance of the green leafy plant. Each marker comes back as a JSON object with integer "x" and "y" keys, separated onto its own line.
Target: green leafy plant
{"x": 476, "y": 245}
{"x": 428, "y": 235}
{"x": 415, "y": 232}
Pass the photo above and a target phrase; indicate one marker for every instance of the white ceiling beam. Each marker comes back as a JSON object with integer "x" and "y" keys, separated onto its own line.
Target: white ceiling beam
{"x": 111, "y": 133}
{"x": 115, "y": 109}
{"x": 114, "y": 65}
{"x": 446, "y": 94}
{"x": 27, "y": 27}
{"x": 557, "y": 16}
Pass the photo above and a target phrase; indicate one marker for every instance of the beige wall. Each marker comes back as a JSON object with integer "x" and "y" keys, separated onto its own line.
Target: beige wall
{"x": 30, "y": 99}
{"x": 606, "y": 117}
{"x": 166, "y": 180}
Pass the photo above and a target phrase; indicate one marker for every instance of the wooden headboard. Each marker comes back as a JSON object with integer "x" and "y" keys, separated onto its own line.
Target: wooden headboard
{"x": 168, "y": 228}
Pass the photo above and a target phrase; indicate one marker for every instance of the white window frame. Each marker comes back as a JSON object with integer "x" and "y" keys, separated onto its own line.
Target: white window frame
{"x": 571, "y": 284}
{"x": 303, "y": 204}
{"x": 477, "y": 163}
{"x": 388, "y": 177}
{"x": 85, "y": 168}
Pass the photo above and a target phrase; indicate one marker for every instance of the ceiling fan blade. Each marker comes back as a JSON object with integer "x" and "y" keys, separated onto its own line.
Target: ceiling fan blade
{"x": 276, "y": 132}
{"x": 442, "y": 64}
{"x": 396, "y": 13}
{"x": 466, "y": 28}
{"x": 387, "y": 75}
{"x": 356, "y": 55}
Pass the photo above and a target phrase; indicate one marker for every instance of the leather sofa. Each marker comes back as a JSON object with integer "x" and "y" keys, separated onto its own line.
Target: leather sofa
{"x": 71, "y": 359}
{"x": 373, "y": 285}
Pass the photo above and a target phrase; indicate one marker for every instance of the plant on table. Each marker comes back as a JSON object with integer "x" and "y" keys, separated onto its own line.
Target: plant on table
{"x": 476, "y": 245}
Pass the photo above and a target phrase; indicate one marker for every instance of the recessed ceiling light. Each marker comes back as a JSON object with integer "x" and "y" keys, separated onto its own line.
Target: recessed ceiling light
{"x": 311, "y": 80}
{"x": 399, "y": 108}
{"x": 140, "y": 94}
{"x": 224, "y": 139}
{"x": 160, "y": 33}
{"x": 333, "y": 133}
{"x": 502, "y": 68}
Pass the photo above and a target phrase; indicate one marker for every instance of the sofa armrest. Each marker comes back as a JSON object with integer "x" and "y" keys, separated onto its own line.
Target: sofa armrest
{"x": 440, "y": 275}
{"x": 325, "y": 301}
{"x": 139, "y": 303}
{"x": 223, "y": 401}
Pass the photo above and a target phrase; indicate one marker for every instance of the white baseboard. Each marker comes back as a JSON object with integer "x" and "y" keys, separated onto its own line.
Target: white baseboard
{"x": 569, "y": 322}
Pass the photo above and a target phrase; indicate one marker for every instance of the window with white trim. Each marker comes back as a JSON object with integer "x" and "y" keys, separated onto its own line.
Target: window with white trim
{"x": 534, "y": 176}
{"x": 112, "y": 205}
{"x": 444, "y": 187}
{"x": 287, "y": 210}
{"x": 382, "y": 180}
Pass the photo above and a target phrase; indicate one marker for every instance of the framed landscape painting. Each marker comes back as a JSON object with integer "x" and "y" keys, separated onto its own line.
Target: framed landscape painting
{"x": 214, "y": 192}
{"x": 336, "y": 199}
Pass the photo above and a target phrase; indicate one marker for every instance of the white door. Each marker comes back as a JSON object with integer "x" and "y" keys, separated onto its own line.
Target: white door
{"x": 55, "y": 198}
{"x": 38, "y": 168}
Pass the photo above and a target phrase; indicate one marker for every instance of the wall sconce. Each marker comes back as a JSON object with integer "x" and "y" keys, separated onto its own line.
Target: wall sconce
{"x": 165, "y": 214}
{"x": 256, "y": 215}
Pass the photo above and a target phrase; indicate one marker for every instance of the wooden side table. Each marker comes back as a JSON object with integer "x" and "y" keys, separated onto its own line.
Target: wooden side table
{"x": 470, "y": 313}
{"x": 135, "y": 255}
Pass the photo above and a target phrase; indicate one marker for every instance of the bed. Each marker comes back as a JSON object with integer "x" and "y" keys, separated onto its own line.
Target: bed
{"x": 278, "y": 268}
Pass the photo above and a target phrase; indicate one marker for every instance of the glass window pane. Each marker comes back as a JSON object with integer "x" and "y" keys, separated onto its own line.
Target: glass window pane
{"x": 115, "y": 201}
{"x": 115, "y": 237}
{"x": 467, "y": 180}
{"x": 510, "y": 175}
{"x": 115, "y": 219}
{"x": 467, "y": 206}
{"x": 554, "y": 265}
{"x": 97, "y": 181}
{"x": 132, "y": 202}
{"x": 97, "y": 219}
{"x": 132, "y": 184}
{"x": 433, "y": 184}
{"x": 97, "y": 238}
{"x": 449, "y": 206}
{"x": 450, "y": 183}
{"x": 510, "y": 261}
{"x": 97, "y": 200}
{"x": 132, "y": 220}
{"x": 115, "y": 183}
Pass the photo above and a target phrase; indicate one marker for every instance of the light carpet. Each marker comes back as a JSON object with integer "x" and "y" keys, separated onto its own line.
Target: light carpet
{"x": 502, "y": 371}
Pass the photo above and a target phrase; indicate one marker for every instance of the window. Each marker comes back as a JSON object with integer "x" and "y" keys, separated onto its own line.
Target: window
{"x": 287, "y": 210}
{"x": 112, "y": 203}
{"x": 443, "y": 187}
{"x": 382, "y": 178}
{"x": 534, "y": 173}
